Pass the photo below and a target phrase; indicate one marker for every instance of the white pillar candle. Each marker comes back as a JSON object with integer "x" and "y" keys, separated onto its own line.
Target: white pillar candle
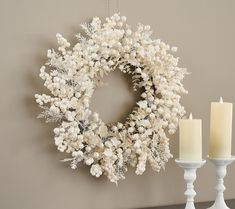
{"x": 221, "y": 129}
{"x": 190, "y": 139}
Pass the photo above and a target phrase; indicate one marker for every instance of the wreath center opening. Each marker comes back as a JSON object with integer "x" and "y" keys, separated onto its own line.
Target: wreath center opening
{"x": 116, "y": 99}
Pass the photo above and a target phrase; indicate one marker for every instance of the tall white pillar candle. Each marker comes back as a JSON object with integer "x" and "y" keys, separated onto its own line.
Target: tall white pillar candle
{"x": 190, "y": 139}
{"x": 221, "y": 129}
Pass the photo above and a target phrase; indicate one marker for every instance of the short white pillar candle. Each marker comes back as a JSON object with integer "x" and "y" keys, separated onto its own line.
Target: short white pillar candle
{"x": 190, "y": 139}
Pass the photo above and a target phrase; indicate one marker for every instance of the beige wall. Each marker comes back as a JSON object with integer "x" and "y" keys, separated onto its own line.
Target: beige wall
{"x": 31, "y": 176}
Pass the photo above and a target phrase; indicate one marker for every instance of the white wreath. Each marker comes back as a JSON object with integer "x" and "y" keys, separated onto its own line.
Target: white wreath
{"x": 76, "y": 72}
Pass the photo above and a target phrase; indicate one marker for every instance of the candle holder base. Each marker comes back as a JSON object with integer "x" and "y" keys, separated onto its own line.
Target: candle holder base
{"x": 219, "y": 206}
{"x": 190, "y": 176}
{"x": 221, "y": 171}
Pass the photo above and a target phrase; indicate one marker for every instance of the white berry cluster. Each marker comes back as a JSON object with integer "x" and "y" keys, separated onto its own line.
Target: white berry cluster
{"x": 96, "y": 170}
{"x": 72, "y": 75}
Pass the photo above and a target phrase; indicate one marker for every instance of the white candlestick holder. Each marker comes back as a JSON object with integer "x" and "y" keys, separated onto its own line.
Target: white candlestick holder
{"x": 221, "y": 171}
{"x": 190, "y": 176}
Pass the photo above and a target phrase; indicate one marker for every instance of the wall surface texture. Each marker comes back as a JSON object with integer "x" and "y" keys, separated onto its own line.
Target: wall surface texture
{"x": 31, "y": 176}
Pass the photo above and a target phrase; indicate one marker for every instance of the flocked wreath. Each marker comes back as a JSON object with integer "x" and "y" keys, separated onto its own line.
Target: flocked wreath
{"x": 73, "y": 75}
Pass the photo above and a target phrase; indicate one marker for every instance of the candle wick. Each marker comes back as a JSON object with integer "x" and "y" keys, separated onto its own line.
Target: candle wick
{"x": 221, "y": 100}
{"x": 191, "y": 116}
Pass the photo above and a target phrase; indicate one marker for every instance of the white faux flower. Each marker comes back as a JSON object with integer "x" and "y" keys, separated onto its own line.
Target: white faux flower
{"x": 115, "y": 142}
{"x": 103, "y": 130}
{"x": 96, "y": 170}
{"x": 108, "y": 153}
{"x": 89, "y": 161}
{"x": 174, "y": 49}
{"x": 142, "y": 104}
